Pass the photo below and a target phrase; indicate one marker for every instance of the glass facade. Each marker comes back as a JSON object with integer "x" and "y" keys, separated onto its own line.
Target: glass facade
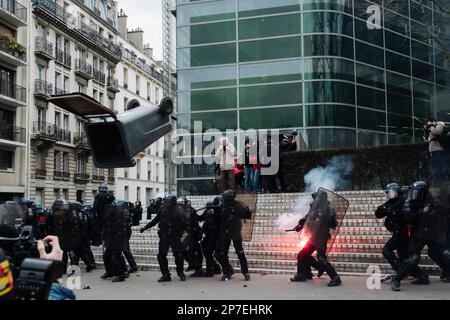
{"x": 313, "y": 66}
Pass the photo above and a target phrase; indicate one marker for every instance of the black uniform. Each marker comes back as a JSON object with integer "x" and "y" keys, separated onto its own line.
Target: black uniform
{"x": 127, "y": 252}
{"x": 193, "y": 254}
{"x": 210, "y": 230}
{"x": 396, "y": 249}
{"x": 426, "y": 217}
{"x": 102, "y": 201}
{"x": 137, "y": 215}
{"x": 231, "y": 218}
{"x": 84, "y": 251}
{"x": 116, "y": 234}
{"x": 316, "y": 230}
{"x": 172, "y": 230}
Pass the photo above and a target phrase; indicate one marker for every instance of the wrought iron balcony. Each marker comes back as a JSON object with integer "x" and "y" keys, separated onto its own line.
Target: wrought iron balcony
{"x": 44, "y": 130}
{"x": 14, "y": 8}
{"x": 99, "y": 76}
{"x": 12, "y": 50}
{"x": 43, "y": 48}
{"x": 66, "y": 175}
{"x": 12, "y": 133}
{"x": 63, "y": 135}
{"x": 11, "y": 90}
{"x": 82, "y": 178}
{"x": 60, "y": 92}
{"x": 57, "y": 174}
{"x": 113, "y": 85}
{"x": 63, "y": 58}
{"x": 83, "y": 68}
{"x": 43, "y": 88}
{"x": 41, "y": 173}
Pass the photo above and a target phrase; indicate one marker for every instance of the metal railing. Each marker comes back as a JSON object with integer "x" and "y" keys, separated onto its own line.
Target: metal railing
{"x": 60, "y": 92}
{"x": 66, "y": 175}
{"x": 140, "y": 63}
{"x": 82, "y": 176}
{"x": 98, "y": 14}
{"x": 83, "y": 66}
{"x": 6, "y": 48}
{"x": 50, "y": 131}
{"x": 63, "y": 135}
{"x": 101, "y": 178}
{"x": 99, "y": 76}
{"x": 63, "y": 58}
{"x": 57, "y": 174}
{"x": 95, "y": 178}
{"x": 88, "y": 32}
{"x": 12, "y": 133}
{"x": 80, "y": 139}
{"x": 42, "y": 45}
{"x": 15, "y": 8}
{"x": 113, "y": 83}
{"x": 11, "y": 90}
{"x": 41, "y": 172}
{"x": 43, "y": 87}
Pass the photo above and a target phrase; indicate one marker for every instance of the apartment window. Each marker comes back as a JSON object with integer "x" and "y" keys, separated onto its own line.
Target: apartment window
{"x": 127, "y": 193}
{"x": 65, "y": 161}
{"x": 125, "y": 78}
{"x": 58, "y": 84}
{"x": 149, "y": 91}
{"x": 67, "y": 46}
{"x": 126, "y": 172}
{"x": 58, "y": 42}
{"x": 66, "y": 122}
{"x": 80, "y": 196}
{"x": 80, "y": 126}
{"x": 58, "y": 119}
{"x": 125, "y": 103}
{"x": 40, "y": 160}
{"x": 157, "y": 172}
{"x": 138, "y": 194}
{"x": 95, "y": 95}
{"x": 138, "y": 85}
{"x": 156, "y": 95}
{"x": 41, "y": 115}
{"x": 101, "y": 97}
{"x": 39, "y": 198}
{"x": 149, "y": 171}
{"x": 148, "y": 195}
{"x": 41, "y": 72}
{"x": 82, "y": 88}
{"x": 66, "y": 194}
{"x": 6, "y": 160}
{"x": 111, "y": 103}
{"x": 57, "y": 194}
{"x": 138, "y": 169}
{"x": 81, "y": 164}
{"x": 66, "y": 86}
{"x": 57, "y": 162}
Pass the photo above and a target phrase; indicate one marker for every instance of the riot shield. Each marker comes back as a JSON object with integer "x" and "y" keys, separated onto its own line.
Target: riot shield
{"x": 11, "y": 214}
{"x": 433, "y": 225}
{"x": 247, "y": 200}
{"x": 67, "y": 223}
{"x": 116, "y": 231}
{"x": 324, "y": 220}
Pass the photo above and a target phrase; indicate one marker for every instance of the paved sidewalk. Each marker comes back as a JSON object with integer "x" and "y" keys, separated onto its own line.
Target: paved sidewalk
{"x": 144, "y": 286}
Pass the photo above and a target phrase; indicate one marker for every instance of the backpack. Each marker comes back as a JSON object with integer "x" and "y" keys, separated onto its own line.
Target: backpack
{"x": 444, "y": 138}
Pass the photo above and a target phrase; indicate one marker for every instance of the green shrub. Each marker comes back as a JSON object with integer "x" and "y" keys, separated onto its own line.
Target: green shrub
{"x": 374, "y": 167}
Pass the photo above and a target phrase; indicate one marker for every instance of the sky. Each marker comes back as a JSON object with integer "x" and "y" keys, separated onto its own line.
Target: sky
{"x": 147, "y": 15}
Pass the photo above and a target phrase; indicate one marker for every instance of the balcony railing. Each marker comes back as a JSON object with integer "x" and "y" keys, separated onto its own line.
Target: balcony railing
{"x": 80, "y": 140}
{"x": 14, "y": 8}
{"x": 60, "y": 92}
{"x": 83, "y": 67}
{"x": 12, "y": 133}
{"x": 63, "y": 58}
{"x": 66, "y": 175}
{"x": 6, "y": 47}
{"x": 63, "y": 135}
{"x": 12, "y": 90}
{"x": 82, "y": 177}
{"x": 41, "y": 45}
{"x": 95, "y": 178}
{"x": 98, "y": 14}
{"x": 82, "y": 28}
{"x": 42, "y": 87}
{"x": 140, "y": 63}
{"x": 57, "y": 174}
{"x": 99, "y": 76}
{"x": 111, "y": 179}
{"x": 113, "y": 84}
{"x": 101, "y": 178}
{"x": 41, "y": 173}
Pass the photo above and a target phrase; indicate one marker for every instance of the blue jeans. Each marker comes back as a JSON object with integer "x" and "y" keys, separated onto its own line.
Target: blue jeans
{"x": 248, "y": 177}
{"x": 438, "y": 169}
{"x": 256, "y": 176}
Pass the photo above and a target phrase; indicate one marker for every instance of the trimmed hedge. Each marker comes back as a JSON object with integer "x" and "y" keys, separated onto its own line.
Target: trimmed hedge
{"x": 373, "y": 169}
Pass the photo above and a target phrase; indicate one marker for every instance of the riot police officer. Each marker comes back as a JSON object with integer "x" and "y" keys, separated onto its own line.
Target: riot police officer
{"x": 127, "y": 252}
{"x": 154, "y": 206}
{"x": 84, "y": 251}
{"x": 101, "y": 202}
{"x": 231, "y": 215}
{"x": 315, "y": 228}
{"x": 26, "y": 206}
{"x": 193, "y": 254}
{"x": 115, "y": 233}
{"x": 210, "y": 230}
{"x": 39, "y": 221}
{"x": 137, "y": 213}
{"x": 427, "y": 219}
{"x": 172, "y": 222}
{"x": 396, "y": 249}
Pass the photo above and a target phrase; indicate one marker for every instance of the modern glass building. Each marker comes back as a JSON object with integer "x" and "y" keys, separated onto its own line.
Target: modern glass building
{"x": 313, "y": 66}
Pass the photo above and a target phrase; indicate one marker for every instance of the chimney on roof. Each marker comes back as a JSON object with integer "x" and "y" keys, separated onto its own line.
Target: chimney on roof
{"x": 148, "y": 51}
{"x": 122, "y": 21}
{"x": 136, "y": 37}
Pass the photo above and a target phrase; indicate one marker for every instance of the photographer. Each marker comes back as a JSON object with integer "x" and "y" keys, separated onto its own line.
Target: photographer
{"x": 225, "y": 156}
{"x": 435, "y": 135}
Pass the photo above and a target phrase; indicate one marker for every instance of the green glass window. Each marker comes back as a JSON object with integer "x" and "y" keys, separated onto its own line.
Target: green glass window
{"x": 328, "y": 45}
{"x": 270, "y": 49}
{"x": 442, "y": 105}
{"x": 267, "y": 72}
{"x": 207, "y": 100}
{"x": 370, "y": 76}
{"x": 397, "y": 43}
{"x": 204, "y": 12}
{"x": 207, "y": 55}
{"x": 269, "y": 26}
{"x": 210, "y": 120}
{"x": 327, "y": 22}
{"x": 399, "y": 94}
{"x": 369, "y": 54}
{"x": 288, "y": 117}
{"x": 423, "y": 99}
{"x": 338, "y": 5}
{"x": 330, "y": 116}
{"x": 331, "y": 138}
{"x": 206, "y": 78}
{"x": 249, "y": 8}
{"x": 422, "y": 52}
{"x": 371, "y": 120}
{"x": 443, "y": 77}
{"x": 400, "y": 129}
{"x": 206, "y": 33}
{"x": 396, "y": 22}
{"x": 398, "y": 63}
{"x": 374, "y": 36}
{"x": 329, "y": 91}
{"x": 423, "y": 71}
{"x": 371, "y": 98}
{"x": 419, "y": 32}
{"x": 329, "y": 68}
{"x": 270, "y": 95}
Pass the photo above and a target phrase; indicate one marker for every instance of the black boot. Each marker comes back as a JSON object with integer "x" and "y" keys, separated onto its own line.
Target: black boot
{"x": 197, "y": 274}
{"x": 299, "y": 278}
{"x": 247, "y": 276}
{"x": 118, "y": 279}
{"x": 395, "y": 284}
{"x": 165, "y": 278}
{"x": 336, "y": 281}
{"x": 107, "y": 275}
{"x": 182, "y": 276}
{"x": 424, "y": 280}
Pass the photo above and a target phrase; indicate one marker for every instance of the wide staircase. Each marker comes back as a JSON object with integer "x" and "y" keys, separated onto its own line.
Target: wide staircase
{"x": 357, "y": 247}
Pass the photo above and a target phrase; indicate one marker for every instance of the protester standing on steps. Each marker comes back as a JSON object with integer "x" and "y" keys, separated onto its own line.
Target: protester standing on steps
{"x": 225, "y": 156}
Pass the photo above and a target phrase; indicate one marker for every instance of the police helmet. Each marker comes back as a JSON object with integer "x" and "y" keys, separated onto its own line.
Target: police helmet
{"x": 229, "y": 195}
{"x": 419, "y": 191}
{"x": 170, "y": 198}
{"x": 392, "y": 190}
{"x": 103, "y": 187}
{"x": 24, "y": 201}
{"x": 158, "y": 200}
{"x": 38, "y": 209}
{"x": 210, "y": 204}
{"x": 321, "y": 197}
